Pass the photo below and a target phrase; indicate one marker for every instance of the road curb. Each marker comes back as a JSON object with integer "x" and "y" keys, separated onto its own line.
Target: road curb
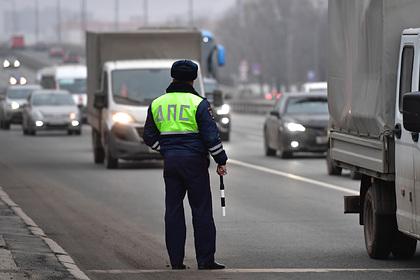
{"x": 62, "y": 256}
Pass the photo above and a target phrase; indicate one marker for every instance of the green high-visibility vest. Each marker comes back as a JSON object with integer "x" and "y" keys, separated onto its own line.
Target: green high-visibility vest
{"x": 174, "y": 113}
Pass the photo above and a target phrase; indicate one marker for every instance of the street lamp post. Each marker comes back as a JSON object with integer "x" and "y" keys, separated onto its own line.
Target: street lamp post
{"x": 191, "y": 9}
{"x": 36, "y": 21}
{"x": 146, "y": 12}
{"x": 116, "y": 10}
{"x": 59, "y": 21}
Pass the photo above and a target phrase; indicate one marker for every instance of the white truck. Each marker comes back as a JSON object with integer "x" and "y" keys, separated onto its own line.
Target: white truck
{"x": 126, "y": 71}
{"x": 374, "y": 103}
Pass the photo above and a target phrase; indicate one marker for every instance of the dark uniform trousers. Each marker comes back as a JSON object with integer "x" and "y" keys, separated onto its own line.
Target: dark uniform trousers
{"x": 189, "y": 174}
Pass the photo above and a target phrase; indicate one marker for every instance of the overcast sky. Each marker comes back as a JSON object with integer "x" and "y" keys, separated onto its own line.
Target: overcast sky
{"x": 159, "y": 10}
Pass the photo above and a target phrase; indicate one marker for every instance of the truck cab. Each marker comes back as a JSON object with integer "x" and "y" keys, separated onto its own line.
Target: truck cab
{"x": 127, "y": 89}
{"x": 407, "y": 146}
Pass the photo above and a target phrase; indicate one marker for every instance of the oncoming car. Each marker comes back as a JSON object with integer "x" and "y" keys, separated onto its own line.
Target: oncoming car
{"x": 51, "y": 110}
{"x": 297, "y": 123}
{"x": 11, "y": 105}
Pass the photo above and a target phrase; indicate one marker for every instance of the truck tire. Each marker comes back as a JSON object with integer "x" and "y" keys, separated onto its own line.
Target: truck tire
{"x": 379, "y": 228}
{"x": 354, "y": 175}
{"x": 404, "y": 247}
{"x": 332, "y": 168}
{"x": 286, "y": 154}
{"x": 110, "y": 161}
{"x": 267, "y": 150}
{"x": 98, "y": 150}
{"x": 6, "y": 125}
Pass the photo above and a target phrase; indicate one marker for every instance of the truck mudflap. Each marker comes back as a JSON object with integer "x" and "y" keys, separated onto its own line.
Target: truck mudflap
{"x": 352, "y": 204}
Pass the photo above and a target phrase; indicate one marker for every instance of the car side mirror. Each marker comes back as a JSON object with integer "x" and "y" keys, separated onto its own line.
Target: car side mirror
{"x": 411, "y": 111}
{"x": 100, "y": 100}
{"x": 275, "y": 113}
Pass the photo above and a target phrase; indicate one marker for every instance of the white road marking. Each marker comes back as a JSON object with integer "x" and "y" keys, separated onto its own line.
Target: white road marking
{"x": 257, "y": 270}
{"x": 293, "y": 177}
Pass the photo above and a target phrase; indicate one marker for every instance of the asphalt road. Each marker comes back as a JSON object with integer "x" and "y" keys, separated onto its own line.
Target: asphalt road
{"x": 278, "y": 226}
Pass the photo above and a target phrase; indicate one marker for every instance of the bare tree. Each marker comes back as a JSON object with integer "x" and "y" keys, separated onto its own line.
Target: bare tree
{"x": 286, "y": 38}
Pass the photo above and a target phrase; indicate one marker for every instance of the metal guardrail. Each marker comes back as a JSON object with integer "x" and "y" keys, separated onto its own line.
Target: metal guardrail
{"x": 251, "y": 106}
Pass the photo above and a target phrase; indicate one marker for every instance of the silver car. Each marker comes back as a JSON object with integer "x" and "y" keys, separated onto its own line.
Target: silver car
{"x": 51, "y": 110}
{"x": 12, "y": 103}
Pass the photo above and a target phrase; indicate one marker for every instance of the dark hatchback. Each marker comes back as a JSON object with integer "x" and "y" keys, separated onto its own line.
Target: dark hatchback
{"x": 297, "y": 123}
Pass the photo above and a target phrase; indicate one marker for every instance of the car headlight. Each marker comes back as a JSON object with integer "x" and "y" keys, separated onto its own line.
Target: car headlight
{"x": 14, "y": 105}
{"x": 122, "y": 118}
{"x": 23, "y": 81}
{"x": 224, "y": 110}
{"x": 72, "y": 116}
{"x": 13, "y": 81}
{"x": 6, "y": 63}
{"x": 295, "y": 127}
{"x": 16, "y": 63}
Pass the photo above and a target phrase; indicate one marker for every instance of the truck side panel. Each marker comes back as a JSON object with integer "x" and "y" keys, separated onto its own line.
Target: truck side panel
{"x": 364, "y": 40}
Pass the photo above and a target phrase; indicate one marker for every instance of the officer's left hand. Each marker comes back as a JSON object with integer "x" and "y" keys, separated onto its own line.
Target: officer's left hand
{"x": 221, "y": 170}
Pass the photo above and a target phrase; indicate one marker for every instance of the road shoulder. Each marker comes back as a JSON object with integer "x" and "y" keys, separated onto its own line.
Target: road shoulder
{"x": 26, "y": 252}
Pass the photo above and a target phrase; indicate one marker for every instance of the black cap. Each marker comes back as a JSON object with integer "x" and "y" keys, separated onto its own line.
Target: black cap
{"x": 184, "y": 70}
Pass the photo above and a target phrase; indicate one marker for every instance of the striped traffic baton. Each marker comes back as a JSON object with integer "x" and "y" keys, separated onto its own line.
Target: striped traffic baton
{"x": 222, "y": 196}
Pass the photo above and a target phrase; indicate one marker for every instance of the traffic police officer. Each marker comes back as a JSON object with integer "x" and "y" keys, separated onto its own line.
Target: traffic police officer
{"x": 180, "y": 125}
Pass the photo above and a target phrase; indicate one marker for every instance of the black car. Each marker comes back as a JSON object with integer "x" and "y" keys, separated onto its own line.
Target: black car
{"x": 297, "y": 123}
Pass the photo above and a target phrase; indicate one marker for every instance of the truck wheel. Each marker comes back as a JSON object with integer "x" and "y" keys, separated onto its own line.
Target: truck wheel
{"x": 286, "y": 155}
{"x": 379, "y": 229}
{"x": 354, "y": 175}
{"x": 225, "y": 136}
{"x": 6, "y": 125}
{"x": 98, "y": 150}
{"x": 404, "y": 247}
{"x": 332, "y": 168}
{"x": 268, "y": 151}
{"x": 110, "y": 161}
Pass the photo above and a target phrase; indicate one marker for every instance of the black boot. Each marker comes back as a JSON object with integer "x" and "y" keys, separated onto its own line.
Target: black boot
{"x": 179, "y": 267}
{"x": 213, "y": 265}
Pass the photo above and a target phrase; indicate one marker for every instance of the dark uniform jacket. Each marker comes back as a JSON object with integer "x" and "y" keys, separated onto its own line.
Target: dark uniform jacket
{"x": 205, "y": 142}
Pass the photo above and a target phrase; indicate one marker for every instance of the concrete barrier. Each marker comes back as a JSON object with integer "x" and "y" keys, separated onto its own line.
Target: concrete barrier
{"x": 251, "y": 106}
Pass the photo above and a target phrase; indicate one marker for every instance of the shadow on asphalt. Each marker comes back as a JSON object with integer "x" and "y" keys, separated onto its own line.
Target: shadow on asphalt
{"x": 305, "y": 156}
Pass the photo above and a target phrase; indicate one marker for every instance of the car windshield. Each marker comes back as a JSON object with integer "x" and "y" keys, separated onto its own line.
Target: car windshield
{"x": 139, "y": 86}
{"x": 73, "y": 85}
{"x": 19, "y": 93}
{"x": 307, "y": 105}
{"x": 52, "y": 99}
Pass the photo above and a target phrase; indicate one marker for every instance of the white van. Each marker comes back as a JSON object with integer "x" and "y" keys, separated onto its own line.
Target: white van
{"x": 67, "y": 77}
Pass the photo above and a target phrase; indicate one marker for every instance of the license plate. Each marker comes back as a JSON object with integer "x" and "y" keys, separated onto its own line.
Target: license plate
{"x": 321, "y": 139}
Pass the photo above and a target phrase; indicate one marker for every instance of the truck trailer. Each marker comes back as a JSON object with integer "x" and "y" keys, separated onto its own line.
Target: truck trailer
{"x": 373, "y": 85}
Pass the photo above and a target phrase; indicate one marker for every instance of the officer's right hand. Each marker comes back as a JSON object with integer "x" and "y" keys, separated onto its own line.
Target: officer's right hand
{"x": 221, "y": 170}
